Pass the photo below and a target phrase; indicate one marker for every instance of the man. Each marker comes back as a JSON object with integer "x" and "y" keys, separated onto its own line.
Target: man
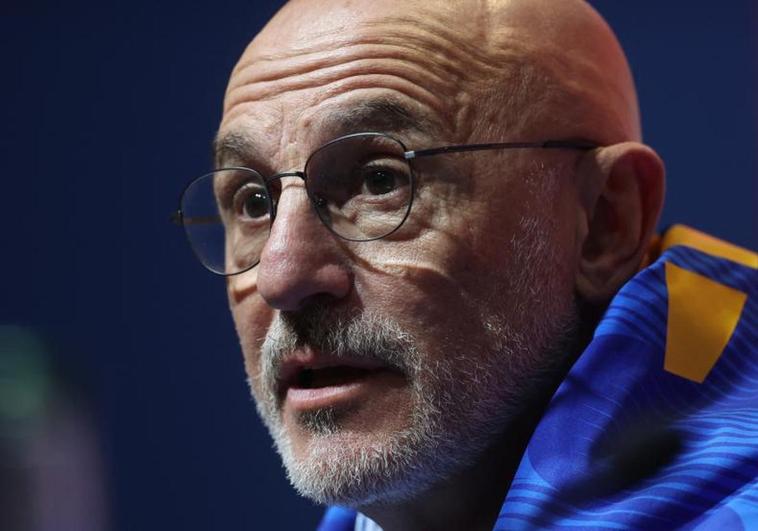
{"x": 407, "y": 313}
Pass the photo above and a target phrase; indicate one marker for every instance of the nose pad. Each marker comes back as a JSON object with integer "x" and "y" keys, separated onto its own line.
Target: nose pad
{"x": 301, "y": 261}
{"x": 275, "y": 185}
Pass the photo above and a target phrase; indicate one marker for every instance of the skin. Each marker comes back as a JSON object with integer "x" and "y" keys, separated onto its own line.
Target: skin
{"x": 521, "y": 70}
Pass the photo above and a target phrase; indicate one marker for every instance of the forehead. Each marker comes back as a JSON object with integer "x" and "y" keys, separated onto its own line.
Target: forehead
{"x": 375, "y": 113}
{"x": 298, "y": 72}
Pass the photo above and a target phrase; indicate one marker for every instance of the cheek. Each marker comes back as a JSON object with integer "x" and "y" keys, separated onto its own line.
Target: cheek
{"x": 433, "y": 280}
{"x": 479, "y": 260}
{"x": 433, "y": 249}
{"x": 424, "y": 288}
{"x": 252, "y": 318}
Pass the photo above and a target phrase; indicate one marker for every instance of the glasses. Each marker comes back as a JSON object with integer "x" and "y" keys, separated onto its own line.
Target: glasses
{"x": 361, "y": 186}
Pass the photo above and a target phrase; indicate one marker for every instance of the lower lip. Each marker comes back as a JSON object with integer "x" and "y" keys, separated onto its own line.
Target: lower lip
{"x": 302, "y": 399}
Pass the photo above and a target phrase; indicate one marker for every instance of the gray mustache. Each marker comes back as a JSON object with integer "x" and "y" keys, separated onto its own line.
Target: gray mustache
{"x": 358, "y": 335}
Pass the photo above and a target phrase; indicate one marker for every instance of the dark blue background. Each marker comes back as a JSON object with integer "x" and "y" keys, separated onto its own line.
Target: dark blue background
{"x": 108, "y": 110}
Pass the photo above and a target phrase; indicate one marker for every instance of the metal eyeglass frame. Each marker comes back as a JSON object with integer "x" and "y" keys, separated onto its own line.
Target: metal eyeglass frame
{"x": 178, "y": 218}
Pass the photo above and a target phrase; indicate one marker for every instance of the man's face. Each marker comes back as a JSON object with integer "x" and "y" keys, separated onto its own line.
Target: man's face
{"x": 383, "y": 367}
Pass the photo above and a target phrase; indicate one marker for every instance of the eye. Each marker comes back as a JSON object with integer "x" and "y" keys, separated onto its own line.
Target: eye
{"x": 381, "y": 181}
{"x": 256, "y": 205}
{"x": 251, "y": 201}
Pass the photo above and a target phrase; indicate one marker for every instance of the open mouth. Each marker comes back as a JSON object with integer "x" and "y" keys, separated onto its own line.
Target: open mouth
{"x": 340, "y": 375}
{"x": 309, "y": 380}
{"x": 309, "y": 370}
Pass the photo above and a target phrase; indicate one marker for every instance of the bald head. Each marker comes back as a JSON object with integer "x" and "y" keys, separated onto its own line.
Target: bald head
{"x": 497, "y": 69}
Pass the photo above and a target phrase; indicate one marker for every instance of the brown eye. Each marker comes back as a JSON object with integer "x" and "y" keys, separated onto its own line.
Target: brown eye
{"x": 251, "y": 201}
{"x": 256, "y": 205}
{"x": 380, "y": 182}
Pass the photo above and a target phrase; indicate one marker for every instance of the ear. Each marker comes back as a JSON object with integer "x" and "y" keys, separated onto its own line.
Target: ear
{"x": 621, "y": 189}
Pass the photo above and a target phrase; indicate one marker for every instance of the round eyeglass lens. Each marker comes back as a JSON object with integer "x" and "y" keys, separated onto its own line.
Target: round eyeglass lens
{"x": 361, "y": 185}
{"x": 227, "y": 217}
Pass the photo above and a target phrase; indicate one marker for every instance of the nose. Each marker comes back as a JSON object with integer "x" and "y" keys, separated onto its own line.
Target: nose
{"x": 301, "y": 261}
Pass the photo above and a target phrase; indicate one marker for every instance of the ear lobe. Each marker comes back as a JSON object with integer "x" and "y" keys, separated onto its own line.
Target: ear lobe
{"x": 624, "y": 197}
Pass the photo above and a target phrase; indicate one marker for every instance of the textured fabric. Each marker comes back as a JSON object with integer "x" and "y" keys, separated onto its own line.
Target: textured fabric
{"x": 626, "y": 444}
{"x": 656, "y": 425}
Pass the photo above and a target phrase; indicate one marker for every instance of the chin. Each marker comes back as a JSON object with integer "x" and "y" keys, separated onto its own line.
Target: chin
{"x": 356, "y": 470}
{"x": 338, "y": 457}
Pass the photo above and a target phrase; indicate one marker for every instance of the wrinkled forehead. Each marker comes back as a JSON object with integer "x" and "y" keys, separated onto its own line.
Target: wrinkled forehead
{"x": 309, "y": 56}
{"x": 306, "y": 26}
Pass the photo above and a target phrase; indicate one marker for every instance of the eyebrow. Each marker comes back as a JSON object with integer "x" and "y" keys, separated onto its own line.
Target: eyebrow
{"x": 384, "y": 115}
{"x": 234, "y": 145}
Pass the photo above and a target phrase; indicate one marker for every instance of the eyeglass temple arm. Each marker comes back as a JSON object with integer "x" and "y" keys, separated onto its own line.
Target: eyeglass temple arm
{"x": 550, "y": 144}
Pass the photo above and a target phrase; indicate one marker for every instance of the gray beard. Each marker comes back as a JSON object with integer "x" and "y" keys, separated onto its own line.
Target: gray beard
{"x": 336, "y": 471}
{"x": 460, "y": 404}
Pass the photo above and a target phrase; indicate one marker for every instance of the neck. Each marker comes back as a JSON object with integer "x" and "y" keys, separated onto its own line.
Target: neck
{"x": 469, "y": 500}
